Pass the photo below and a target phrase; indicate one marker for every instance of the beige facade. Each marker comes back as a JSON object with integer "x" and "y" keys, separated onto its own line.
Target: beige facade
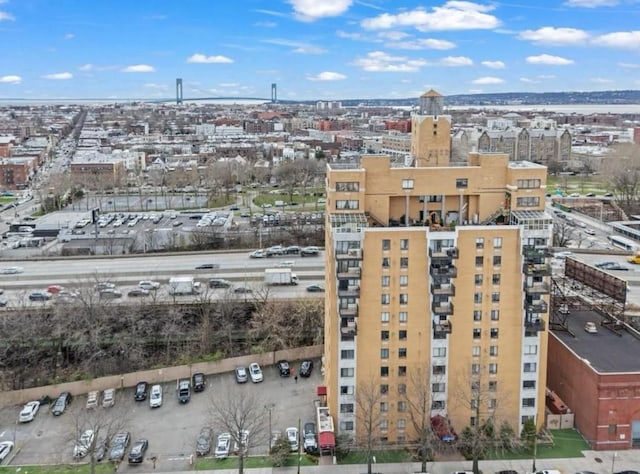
{"x": 436, "y": 277}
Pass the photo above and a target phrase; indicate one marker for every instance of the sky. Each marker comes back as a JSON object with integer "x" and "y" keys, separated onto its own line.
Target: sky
{"x": 315, "y": 49}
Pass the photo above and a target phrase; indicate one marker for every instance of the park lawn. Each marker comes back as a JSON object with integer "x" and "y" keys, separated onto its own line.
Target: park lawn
{"x": 567, "y": 443}
{"x": 59, "y": 469}
{"x": 204, "y": 464}
{"x": 577, "y": 184}
{"x": 383, "y": 456}
{"x": 272, "y": 198}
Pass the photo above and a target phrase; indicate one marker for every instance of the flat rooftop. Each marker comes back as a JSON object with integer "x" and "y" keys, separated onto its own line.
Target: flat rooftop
{"x": 606, "y": 351}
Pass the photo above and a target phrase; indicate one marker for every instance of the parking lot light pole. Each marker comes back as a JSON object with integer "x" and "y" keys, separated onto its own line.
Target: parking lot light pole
{"x": 269, "y": 407}
{"x": 298, "y": 453}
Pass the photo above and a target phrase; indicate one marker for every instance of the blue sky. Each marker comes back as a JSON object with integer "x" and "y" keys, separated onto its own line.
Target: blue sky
{"x": 315, "y": 49}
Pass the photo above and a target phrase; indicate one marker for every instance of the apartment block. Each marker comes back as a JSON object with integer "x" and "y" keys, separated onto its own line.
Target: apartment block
{"x": 436, "y": 276}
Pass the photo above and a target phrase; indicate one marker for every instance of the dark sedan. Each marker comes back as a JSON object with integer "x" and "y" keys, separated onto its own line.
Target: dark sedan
{"x": 203, "y": 443}
{"x": 207, "y": 266}
{"x": 315, "y": 288}
{"x": 284, "y": 368}
{"x": 138, "y": 450}
{"x": 141, "y": 391}
{"x": 198, "y": 382}
{"x": 61, "y": 403}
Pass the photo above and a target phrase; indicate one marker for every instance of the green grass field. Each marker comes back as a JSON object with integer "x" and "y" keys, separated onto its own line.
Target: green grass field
{"x": 577, "y": 184}
{"x": 390, "y": 455}
{"x": 567, "y": 443}
{"x": 249, "y": 462}
{"x": 62, "y": 469}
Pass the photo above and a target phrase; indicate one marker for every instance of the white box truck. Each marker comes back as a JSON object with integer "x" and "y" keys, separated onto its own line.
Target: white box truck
{"x": 183, "y": 286}
{"x": 280, "y": 276}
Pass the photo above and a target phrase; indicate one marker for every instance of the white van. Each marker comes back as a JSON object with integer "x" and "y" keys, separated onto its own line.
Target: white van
{"x": 155, "y": 398}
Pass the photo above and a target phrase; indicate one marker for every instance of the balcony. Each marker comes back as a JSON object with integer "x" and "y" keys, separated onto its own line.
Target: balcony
{"x": 351, "y": 311}
{"x": 536, "y": 269}
{"x": 445, "y": 252}
{"x": 536, "y": 288}
{"x": 352, "y": 273}
{"x": 348, "y": 333}
{"x": 442, "y": 328}
{"x": 534, "y": 252}
{"x": 350, "y": 254}
{"x": 349, "y": 292}
{"x": 443, "y": 289}
{"x": 537, "y": 325}
{"x": 448, "y": 271}
{"x": 442, "y": 309}
{"x": 537, "y": 306}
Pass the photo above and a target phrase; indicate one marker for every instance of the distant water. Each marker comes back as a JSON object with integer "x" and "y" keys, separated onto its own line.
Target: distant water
{"x": 584, "y": 109}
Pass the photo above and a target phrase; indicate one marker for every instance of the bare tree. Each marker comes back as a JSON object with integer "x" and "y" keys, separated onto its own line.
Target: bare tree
{"x": 368, "y": 417}
{"x": 623, "y": 173}
{"x": 242, "y": 415}
{"x": 297, "y": 173}
{"x": 562, "y": 233}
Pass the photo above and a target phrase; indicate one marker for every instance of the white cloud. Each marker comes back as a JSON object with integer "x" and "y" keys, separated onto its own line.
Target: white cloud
{"x": 393, "y": 35}
{"x": 86, "y": 67}
{"x": 199, "y": 58}
{"x": 528, "y": 80}
{"x": 298, "y": 47}
{"x": 69, "y": 36}
{"x": 620, "y": 39}
{"x": 59, "y": 76}
{"x": 488, "y": 80}
{"x": 139, "y": 68}
{"x": 312, "y": 10}
{"x": 4, "y": 16}
{"x": 555, "y": 36}
{"x": 591, "y": 3}
{"x": 10, "y": 79}
{"x": 453, "y": 15}
{"x": 424, "y": 43}
{"x": 493, "y": 64}
{"x": 549, "y": 59}
{"x": 327, "y": 76}
{"x": 629, "y": 65}
{"x": 379, "y": 61}
{"x": 455, "y": 61}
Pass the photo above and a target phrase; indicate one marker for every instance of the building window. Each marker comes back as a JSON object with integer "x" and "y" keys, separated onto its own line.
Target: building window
{"x": 528, "y": 183}
{"x": 437, "y": 405}
{"x": 530, "y": 201}
{"x": 346, "y": 408}
{"x": 404, "y": 280}
{"x": 402, "y": 406}
{"x": 495, "y": 279}
{"x": 475, "y": 386}
{"x": 477, "y": 298}
{"x": 493, "y": 368}
{"x": 386, "y": 244}
{"x": 474, "y": 404}
{"x": 479, "y": 242}
{"x": 462, "y": 183}
{"x": 402, "y": 335}
{"x": 439, "y": 352}
{"x": 384, "y": 335}
{"x": 493, "y": 403}
{"x": 497, "y": 260}
{"x": 385, "y": 298}
{"x": 475, "y": 351}
{"x": 384, "y": 371}
{"x": 475, "y": 369}
{"x": 384, "y": 389}
{"x": 346, "y": 372}
{"x": 384, "y": 353}
{"x": 403, "y": 317}
{"x": 384, "y": 424}
{"x": 477, "y": 315}
{"x": 473, "y": 421}
{"x": 478, "y": 278}
{"x": 529, "y": 384}
{"x": 497, "y": 242}
{"x": 407, "y": 184}
{"x": 530, "y": 349}
{"x": 402, "y": 353}
{"x": 386, "y": 280}
{"x": 477, "y": 332}
{"x": 346, "y": 390}
{"x": 384, "y": 317}
{"x": 493, "y": 351}
{"x": 494, "y": 333}
{"x": 346, "y": 425}
{"x": 347, "y": 204}
{"x": 404, "y": 262}
{"x": 528, "y": 402}
{"x": 479, "y": 261}
{"x": 402, "y": 388}
{"x": 402, "y": 370}
{"x": 530, "y": 367}
{"x": 439, "y": 369}
{"x": 352, "y": 186}
{"x": 401, "y": 423}
{"x": 347, "y": 354}
{"x": 495, "y": 297}
{"x": 613, "y": 429}
{"x": 384, "y": 407}
{"x": 385, "y": 262}
{"x": 493, "y": 385}
{"x": 404, "y": 244}
{"x": 404, "y": 298}
{"x": 495, "y": 314}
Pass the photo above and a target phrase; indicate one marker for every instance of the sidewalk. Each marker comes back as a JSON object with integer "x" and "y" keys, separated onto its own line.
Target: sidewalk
{"x": 600, "y": 462}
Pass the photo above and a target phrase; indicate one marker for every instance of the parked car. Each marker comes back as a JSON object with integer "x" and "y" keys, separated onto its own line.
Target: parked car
{"x": 138, "y": 450}
{"x": 292, "y": 250}
{"x": 5, "y": 449}
{"x": 223, "y": 446}
{"x": 591, "y": 327}
{"x": 306, "y": 367}
{"x": 241, "y": 375}
{"x": 255, "y": 372}
{"x": 136, "y": 292}
{"x": 61, "y": 403}
{"x": 92, "y": 399}
{"x": 11, "y": 270}
{"x": 83, "y": 445}
{"x": 242, "y": 442}
{"x": 283, "y": 368}
{"x": 310, "y": 444}
{"x": 29, "y": 412}
{"x": 104, "y": 285}
{"x": 275, "y": 250}
{"x": 119, "y": 444}
{"x": 242, "y": 290}
{"x": 149, "y": 285}
{"x": 184, "y": 390}
{"x": 309, "y": 252}
{"x": 110, "y": 294}
{"x": 155, "y": 398}
{"x": 258, "y": 254}
{"x": 315, "y": 288}
{"x": 100, "y": 449}
{"x": 141, "y": 391}
{"x": 203, "y": 442}
{"x": 3, "y": 302}
{"x": 54, "y": 289}
{"x": 219, "y": 283}
{"x": 109, "y": 397}
{"x": 39, "y": 296}
{"x": 199, "y": 382}
{"x": 292, "y": 437}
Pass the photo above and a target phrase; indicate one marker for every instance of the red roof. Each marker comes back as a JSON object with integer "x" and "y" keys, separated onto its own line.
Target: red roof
{"x": 321, "y": 390}
{"x": 327, "y": 439}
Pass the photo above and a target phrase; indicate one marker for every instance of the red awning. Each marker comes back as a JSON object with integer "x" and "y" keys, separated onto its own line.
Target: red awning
{"x": 327, "y": 439}
{"x": 321, "y": 390}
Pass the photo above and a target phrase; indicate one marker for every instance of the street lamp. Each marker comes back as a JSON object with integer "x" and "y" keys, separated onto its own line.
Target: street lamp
{"x": 269, "y": 407}
{"x": 407, "y": 185}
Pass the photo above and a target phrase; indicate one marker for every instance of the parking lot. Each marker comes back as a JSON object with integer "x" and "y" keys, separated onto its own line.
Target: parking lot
{"x": 171, "y": 429}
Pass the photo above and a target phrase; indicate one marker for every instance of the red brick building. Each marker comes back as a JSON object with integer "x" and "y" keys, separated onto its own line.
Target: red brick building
{"x": 598, "y": 377}
{"x": 15, "y": 172}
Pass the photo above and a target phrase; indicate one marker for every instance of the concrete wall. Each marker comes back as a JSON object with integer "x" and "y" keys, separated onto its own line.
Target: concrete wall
{"x": 164, "y": 374}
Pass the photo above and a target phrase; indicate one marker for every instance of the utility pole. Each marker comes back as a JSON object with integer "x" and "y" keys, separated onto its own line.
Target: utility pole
{"x": 535, "y": 450}
{"x": 299, "y": 457}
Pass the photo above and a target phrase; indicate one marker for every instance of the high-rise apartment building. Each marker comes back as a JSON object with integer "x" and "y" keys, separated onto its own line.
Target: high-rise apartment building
{"x": 436, "y": 277}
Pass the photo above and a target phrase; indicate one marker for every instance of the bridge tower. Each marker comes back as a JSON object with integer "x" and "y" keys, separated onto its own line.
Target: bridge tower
{"x": 274, "y": 93}
{"x": 179, "y": 91}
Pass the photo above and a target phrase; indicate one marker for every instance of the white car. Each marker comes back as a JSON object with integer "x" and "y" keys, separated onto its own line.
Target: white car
{"x": 109, "y": 397}
{"x": 258, "y": 254}
{"x": 155, "y": 397}
{"x": 223, "y": 446}
{"x": 292, "y": 437}
{"x": 244, "y": 442}
{"x": 589, "y": 231}
{"x": 5, "y": 449}
{"x": 29, "y": 411}
{"x": 149, "y": 285}
{"x": 11, "y": 270}
{"x": 83, "y": 445}
{"x": 92, "y": 399}
{"x": 255, "y": 372}
{"x": 591, "y": 327}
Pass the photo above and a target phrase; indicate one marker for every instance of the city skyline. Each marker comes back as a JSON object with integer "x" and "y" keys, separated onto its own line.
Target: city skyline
{"x": 331, "y": 50}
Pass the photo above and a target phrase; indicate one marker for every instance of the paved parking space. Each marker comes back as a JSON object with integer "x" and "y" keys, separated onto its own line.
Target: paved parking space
{"x": 171, "y": 429}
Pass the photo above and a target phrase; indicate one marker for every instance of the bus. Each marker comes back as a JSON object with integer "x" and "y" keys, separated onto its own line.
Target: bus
{"x": 624, "y": 243}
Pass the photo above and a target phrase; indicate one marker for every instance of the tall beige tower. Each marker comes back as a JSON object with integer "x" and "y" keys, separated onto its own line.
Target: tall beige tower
{"x": 431, "y": 132}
